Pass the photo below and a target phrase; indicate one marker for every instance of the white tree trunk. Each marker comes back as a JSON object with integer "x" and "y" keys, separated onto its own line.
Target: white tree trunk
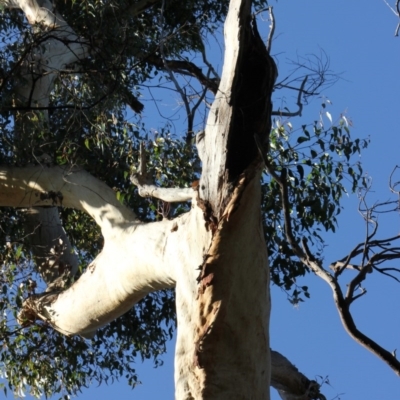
{"x": 139, "y": 258}
{"x": 51, "y": 247}
{"x": 231, "y": 348}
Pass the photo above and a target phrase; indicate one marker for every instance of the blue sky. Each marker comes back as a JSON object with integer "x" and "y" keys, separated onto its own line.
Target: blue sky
{"x": 359, "y": 39}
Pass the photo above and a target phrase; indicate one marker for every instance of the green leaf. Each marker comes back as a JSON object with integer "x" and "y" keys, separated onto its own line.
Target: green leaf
{"x": 18, "y": 252}
{"x": 302, "y": 139}
{"x": 300, "y": 170}
{"x": 314, "y": 154}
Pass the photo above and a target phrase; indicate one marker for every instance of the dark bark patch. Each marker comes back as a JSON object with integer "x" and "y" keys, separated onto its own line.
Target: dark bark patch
{"x": 250, "y": 101}
{"x": 211, "y": 221}
{"x": 55, "y": 197}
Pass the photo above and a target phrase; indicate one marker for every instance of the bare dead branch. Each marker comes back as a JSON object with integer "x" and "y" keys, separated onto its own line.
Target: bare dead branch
{"x": 395, "y": 12}
{"x": 185, "y": 68}
{"x": 357, "y": 296}
{"x": 211, "y": 69}
{"x": 384, "y": 272}
{"x": 268, "y": 44}
{"x": 343, "y": 307}
{"x": 299, "y": 103}
{"x": 271, "y": 29}
{"x": 393, "y": 185}
{"x": 147, "y": 188}
{"x": 317, "y": 69}
{"x": 356, "y": 283}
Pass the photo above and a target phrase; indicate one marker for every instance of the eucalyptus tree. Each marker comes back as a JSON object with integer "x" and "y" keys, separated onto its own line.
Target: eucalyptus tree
{"x": 99, "y": 228}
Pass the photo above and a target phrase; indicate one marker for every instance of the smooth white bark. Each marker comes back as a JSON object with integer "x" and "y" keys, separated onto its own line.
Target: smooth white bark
{"x": 169, "y": 195}
{"x": 136, "y": 259}
{"x": 59, "y": 47}
{"x": 69, "y": 187}
{"x": 290, "y": 383}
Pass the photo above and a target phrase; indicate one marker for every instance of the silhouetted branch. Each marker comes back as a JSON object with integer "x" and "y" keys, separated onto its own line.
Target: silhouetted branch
{"x": 397, "y": 13}
{"x": 299, "y": 103}
{"x": 342, "y": 302}
{"x": 317, "y": 75}
{"x": 184, "y": 68}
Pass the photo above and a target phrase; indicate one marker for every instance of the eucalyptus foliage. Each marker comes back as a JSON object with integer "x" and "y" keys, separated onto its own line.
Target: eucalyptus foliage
{"x": 319, "y": 166}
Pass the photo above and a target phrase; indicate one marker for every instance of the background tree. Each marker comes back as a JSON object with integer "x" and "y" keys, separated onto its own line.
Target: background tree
{"x": 285, "y": 167}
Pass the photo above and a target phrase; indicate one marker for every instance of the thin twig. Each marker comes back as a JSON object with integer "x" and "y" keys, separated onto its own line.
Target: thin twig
{"x": 299, "y": 103}
{"x": 393, "y": 10}
{"x": 383, "y": 271}
{"x": 209, "y": 65}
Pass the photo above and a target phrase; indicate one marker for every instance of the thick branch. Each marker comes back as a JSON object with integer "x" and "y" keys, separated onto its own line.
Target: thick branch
{"x": 136, "y": 260}
{"x": 62, "y": 47}
{"x": 55, "y": 48}
{"x": 290, "y": 383}
{"x": 69, "y": 187}
{"x": 170, "y": 195}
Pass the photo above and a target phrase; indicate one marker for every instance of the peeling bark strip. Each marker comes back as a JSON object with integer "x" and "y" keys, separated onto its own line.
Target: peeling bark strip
{"x": 231, "y": 356}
